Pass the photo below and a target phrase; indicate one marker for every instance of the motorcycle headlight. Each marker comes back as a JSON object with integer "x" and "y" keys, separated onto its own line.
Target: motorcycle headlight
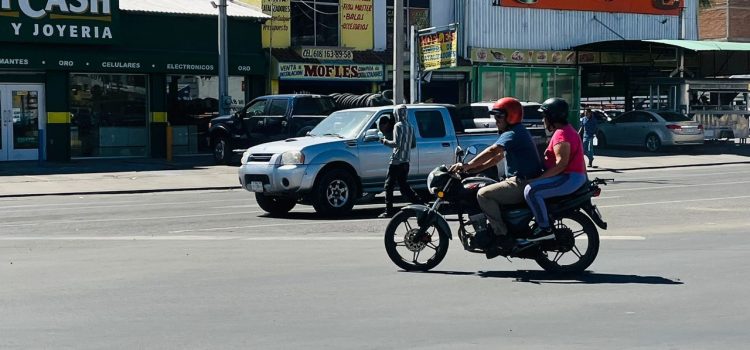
{"x": 292, "y": 158}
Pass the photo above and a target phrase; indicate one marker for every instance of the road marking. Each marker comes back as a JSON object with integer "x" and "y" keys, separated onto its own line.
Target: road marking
{"x": 679, "y": 176}
{"x": 677, "y": 186}
{"x": 671, "y": 202}
{"x": 239, "y": 238}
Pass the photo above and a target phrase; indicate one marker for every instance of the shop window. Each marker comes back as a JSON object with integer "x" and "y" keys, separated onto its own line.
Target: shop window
{"x": 315, "y": 22}
{"x": 192, "y": 101}
{"x": 109, "y": 115}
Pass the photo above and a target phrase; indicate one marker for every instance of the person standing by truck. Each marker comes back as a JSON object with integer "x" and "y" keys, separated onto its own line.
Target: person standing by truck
{"x": 588, "y": 130}
{"x": 398, "y": 168}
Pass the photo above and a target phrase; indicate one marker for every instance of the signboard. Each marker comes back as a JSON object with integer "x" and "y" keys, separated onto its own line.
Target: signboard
{"x": 438, "y": 50}
{"x": 338, "y": 72}
{"x": 322, "y": 53}
{"x": 88, "y": 61}
{"x": 356, "y": 17}
{"x": 58, "y": 21}
{"x": 652, "y": 7}
{"x": 523, "y": 56}
{"x": 277, "y": 30}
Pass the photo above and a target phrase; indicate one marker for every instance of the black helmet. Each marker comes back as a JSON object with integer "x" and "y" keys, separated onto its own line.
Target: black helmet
{"x": 555, "y": 110}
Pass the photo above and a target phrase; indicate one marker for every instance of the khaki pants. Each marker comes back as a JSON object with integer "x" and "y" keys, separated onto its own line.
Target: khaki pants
{"x": 506, "y": 192}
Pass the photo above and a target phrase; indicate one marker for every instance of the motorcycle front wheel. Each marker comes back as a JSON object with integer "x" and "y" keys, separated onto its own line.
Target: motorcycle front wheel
{"x": 575, "y": 248}
{"x": 410, "y": 253}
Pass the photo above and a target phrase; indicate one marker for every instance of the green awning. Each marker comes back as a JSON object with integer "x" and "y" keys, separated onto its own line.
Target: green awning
{"x": 695, "y": 45}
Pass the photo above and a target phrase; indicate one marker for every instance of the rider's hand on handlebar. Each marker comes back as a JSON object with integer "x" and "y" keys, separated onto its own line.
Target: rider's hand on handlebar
{"x": 457, "y": 168}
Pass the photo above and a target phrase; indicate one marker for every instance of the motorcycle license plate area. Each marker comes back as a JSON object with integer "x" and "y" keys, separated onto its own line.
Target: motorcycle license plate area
{"x": 256, "y": 186}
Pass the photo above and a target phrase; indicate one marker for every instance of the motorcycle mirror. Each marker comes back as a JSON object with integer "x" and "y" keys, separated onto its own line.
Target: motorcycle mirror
{"x": 459, "y": 151}
{"x": 471, "y": 150}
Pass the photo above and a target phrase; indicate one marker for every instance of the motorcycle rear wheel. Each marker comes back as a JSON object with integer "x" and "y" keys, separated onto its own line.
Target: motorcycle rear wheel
{"x": 571, "y": 259}
{"x": 408, "y": 253}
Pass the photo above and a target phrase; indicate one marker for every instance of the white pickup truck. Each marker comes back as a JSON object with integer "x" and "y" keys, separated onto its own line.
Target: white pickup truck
{"x": 342, "y": 160}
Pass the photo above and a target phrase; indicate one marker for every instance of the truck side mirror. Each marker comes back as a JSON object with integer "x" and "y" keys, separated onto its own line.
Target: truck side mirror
{"x": 371, "y": 135}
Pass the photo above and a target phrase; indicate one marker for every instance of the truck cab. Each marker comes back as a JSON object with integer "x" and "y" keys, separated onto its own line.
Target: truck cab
{"x": 266, "y": 119}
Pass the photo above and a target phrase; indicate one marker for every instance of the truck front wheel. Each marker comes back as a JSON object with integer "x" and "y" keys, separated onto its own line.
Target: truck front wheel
{"x": 275, "y": 205}
{"x": 221, "y": 149}
{"x": 335, "y": 193}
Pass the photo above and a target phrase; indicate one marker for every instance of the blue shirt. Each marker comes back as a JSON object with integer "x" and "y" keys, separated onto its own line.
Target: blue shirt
{"x": 522, "y": 158}
{"x": 590, "y": 126}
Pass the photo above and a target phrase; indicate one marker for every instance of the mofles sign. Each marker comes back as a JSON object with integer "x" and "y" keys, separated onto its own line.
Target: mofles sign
{"x": 315, "y": 71}
{"x": 59, "y": 21}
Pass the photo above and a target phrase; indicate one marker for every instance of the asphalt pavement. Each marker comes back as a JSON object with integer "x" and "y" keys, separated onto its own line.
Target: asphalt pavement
{"x": 19, "y": 179}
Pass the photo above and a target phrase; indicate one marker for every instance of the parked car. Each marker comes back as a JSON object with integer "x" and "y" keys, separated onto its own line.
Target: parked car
{"x": 266, "y": 119}
{"x": 650, "y": 129}
{"x": 342, "y": 159}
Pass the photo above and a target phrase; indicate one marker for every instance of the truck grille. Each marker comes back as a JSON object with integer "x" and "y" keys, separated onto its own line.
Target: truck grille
{"x": 260, "y": 157}
{"x": 262, "y": 178}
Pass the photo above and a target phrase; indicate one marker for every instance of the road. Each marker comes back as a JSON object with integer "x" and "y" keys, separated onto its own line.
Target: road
{"x": 200, "y": 270}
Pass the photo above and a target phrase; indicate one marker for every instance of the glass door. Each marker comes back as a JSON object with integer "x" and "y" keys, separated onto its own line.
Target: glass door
{"x": 23, "y": 116}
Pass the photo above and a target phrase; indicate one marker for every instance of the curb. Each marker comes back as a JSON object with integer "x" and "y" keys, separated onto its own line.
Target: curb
{"x": 664, "y": 167}
{"x": 157, "y": 190}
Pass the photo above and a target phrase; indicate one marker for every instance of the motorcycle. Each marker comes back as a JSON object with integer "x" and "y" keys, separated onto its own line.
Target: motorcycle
{"x": 417, "y": 238}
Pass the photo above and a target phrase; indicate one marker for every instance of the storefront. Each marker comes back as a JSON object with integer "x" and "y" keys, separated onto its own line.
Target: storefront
{"x": 106, "y": 80}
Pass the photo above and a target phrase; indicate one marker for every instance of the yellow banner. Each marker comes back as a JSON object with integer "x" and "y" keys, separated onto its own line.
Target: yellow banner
{"x": 277, "y": 31}
{"x": 356, "y": 18}
{"x": 438, "y": 50}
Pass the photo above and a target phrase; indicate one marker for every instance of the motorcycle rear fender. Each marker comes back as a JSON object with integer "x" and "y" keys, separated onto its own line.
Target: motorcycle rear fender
{"x": 423, "y": 212}
{"x": 590, "y": 209}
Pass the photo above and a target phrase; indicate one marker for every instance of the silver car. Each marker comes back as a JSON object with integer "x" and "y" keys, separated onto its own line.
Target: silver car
{"x": 650, "y": 129}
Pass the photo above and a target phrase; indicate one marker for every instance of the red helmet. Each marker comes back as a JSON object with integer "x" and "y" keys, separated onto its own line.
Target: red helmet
{"x": 510, "y": 108}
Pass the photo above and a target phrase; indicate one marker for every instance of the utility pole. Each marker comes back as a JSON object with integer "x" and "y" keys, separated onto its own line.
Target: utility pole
{"x": 224, "y": 98}
{"x": 414, "y": 73}
{"x": 398, "y": 51}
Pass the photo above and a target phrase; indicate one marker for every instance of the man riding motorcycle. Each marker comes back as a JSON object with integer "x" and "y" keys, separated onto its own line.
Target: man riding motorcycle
{"x": 522, "y": 164}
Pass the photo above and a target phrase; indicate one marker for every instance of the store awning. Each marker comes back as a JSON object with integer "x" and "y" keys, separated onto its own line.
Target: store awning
{"x": 695, "y": 45}
{"x": 710, "y": 58}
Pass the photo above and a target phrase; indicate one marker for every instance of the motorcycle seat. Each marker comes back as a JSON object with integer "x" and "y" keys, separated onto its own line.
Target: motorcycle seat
{"x": 578, "y": 193}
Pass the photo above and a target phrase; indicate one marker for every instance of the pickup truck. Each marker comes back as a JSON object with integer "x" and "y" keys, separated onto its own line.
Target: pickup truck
{"x": 266, "y": 119}
{"x": 342, "y": 159}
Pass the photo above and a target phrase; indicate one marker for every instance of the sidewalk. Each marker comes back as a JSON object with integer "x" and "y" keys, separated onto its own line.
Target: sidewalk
{"x": 23, "y": 179}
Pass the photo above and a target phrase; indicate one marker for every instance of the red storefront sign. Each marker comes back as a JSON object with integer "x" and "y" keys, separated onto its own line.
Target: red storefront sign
{"x": 652, "y": 7}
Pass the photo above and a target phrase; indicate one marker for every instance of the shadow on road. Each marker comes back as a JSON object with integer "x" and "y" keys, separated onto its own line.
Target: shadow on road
{"x": 355, "y": 214}
{"x": 541, "y": 277}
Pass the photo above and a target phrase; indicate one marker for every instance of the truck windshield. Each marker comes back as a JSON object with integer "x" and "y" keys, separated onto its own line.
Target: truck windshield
{"x": 345, "y": 124}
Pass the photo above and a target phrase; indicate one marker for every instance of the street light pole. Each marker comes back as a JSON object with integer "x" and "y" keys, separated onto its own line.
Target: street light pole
{"x": 224, "y": 99}
{"x": 398, "y": 51}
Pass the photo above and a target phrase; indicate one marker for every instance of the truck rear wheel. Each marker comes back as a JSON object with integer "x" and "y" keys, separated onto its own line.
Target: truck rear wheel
{"x": 335, "y": 193}
{"x": 275, "y": 205}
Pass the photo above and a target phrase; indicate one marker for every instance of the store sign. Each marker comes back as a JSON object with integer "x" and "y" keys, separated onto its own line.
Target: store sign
{"x": 320, "y": 53}
{"x": 652, "y": 7}
{"x": 438, "y": 50}
{"x": 522, "y": 56}
{"x": 277, "y": 31}
{"x": 59, "y": 21}
{"x": 356, "y": 18}
{"x": 340, "y": 72}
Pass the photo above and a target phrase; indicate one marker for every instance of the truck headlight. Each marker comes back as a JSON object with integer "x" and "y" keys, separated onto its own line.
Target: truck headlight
{"x": 245, "y": 156}
{"x": 292, "y": 157}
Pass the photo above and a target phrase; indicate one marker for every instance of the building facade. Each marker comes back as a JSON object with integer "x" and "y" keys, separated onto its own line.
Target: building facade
{"x": 725, "y": 20}
{"x": 527, "y": 49}
{"x": 105, "y": 79}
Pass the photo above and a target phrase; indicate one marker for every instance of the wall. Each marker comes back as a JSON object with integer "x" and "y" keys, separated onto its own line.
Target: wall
{"x": 542, "y": 29}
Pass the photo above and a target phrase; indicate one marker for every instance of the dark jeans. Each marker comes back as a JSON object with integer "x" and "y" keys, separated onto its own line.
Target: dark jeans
{"x": 398, "y": 174}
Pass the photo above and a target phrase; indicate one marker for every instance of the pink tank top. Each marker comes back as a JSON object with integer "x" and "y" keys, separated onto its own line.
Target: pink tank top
{"x": 569, "y": 135}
